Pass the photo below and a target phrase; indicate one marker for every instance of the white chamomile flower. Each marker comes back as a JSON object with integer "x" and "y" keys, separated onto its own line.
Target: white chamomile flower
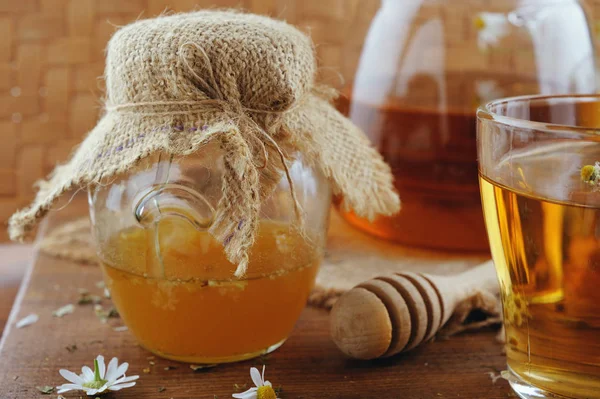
{"x": 491, "y": 28}
{"x": 263, "y": 389}
{"x": 101, "y": 380}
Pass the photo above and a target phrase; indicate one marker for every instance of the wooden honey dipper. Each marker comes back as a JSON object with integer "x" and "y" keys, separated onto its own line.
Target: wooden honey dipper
{"x": 397, "y": 312}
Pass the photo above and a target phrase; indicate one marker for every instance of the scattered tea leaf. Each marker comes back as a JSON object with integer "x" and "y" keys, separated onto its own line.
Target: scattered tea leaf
{"x": 45, "y": 389}
{"x": 120, "y": 328}
{"x": 100, "y": 313}
{"x": 493, "y": 376}
{"x": 61, "y": 397}
{"x": 27, "y": 320}
{"x": 170, "y": 368}
{"x": 198, "y": 367}
{"x": 104, "y": 315}
{"x": 71, "y": 348}
{"x": 64, "y": 310}
{"x": 162, "y": 389}
{"x": 150, "y": 357}
{"x": 264, "y": 358}
{"x": 16, "y": 377}
{"x": 84, "y": 300}
{"x": 239, "y": 387}
{"x": 146, "y": 370}
{"x": 261, "y": 361}
{"x": 106, "y": 293}
{"x": 278, "y": 391}
{"x": 96, "y": 341}
{"x": 87, "y": 299}
{"x": 151, "y": 363}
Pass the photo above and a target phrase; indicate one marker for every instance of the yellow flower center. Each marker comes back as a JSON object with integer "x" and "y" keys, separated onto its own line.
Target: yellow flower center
{"x": 588, "y": 174}
{"x": 479, "y": 23}
{"x": 265, "y": 392}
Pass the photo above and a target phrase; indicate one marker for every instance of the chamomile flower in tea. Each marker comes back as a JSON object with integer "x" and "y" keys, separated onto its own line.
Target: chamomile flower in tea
{"x": 591, "y": 174}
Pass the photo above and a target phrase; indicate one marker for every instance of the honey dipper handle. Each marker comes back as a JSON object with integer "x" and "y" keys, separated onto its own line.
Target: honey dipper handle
{"x": 455, "y": 289}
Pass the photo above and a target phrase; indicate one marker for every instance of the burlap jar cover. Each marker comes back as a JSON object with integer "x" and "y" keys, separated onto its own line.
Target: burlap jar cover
{"x": 177, "y": 82}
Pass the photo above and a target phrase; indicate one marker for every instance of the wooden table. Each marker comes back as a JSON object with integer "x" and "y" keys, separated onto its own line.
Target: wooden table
{"x": 14, "y": 259}
{"x": 307, "y": 366}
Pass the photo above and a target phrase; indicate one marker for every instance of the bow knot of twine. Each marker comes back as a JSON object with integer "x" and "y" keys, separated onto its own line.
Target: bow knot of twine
{"x": 250, "y": 135}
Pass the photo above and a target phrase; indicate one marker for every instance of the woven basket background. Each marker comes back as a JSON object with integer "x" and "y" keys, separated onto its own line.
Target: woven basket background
{"x": 51, "y": 58}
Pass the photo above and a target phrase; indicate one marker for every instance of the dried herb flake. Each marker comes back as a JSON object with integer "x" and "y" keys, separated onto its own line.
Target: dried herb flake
{"x": 87, "y": 299}
{"x": 162, "y": 389}
{"x": 64, "y": 310}
{"x": 104, "y": 315}
{"x": 45, "y": 389}
{"x": 71, "y": 348}
{"x": 27, "y": 320}
{"x": 199, "y": 367}
{"x": 278, "y": 391}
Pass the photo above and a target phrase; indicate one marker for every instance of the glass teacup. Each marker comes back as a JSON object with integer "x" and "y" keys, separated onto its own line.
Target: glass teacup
{"x": 540, "y": 186}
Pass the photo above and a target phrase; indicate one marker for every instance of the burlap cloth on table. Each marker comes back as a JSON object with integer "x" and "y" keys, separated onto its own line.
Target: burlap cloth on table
{"x": 351, "y": 257}
{"x": 245, "y": 82}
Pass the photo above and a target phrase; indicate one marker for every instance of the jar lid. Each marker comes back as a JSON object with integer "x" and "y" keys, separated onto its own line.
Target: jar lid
{"x": 177, "y": 82}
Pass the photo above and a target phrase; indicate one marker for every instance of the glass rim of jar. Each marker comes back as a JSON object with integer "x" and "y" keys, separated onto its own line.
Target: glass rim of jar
{"x": 489, "y": 112}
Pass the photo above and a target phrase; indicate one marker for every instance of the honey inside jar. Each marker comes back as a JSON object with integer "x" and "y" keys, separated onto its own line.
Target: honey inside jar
{"x": 175, "y": 289}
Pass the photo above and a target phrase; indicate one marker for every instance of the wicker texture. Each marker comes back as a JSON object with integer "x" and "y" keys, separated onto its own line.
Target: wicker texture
{"x": 52, "y": 53}
{"x": 51, "y": 58}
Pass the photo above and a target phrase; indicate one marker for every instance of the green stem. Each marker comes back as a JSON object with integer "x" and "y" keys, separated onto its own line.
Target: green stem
{"x": 96, "y": 371}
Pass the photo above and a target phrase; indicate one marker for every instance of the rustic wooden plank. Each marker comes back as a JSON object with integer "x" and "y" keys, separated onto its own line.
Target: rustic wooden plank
{"x": 307, "y": 366}
{"x": 14, "y": 260}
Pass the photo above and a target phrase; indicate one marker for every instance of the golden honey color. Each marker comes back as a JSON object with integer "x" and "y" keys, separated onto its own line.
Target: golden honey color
{"x": 188, "y": 307}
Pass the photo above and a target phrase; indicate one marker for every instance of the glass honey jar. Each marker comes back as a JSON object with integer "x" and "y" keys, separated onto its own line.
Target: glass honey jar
{"x": 170, "y": 279}
{"x": 416, "y": 71}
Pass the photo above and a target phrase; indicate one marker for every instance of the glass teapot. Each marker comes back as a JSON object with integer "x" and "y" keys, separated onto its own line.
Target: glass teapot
{"x": 170, "y": 279}
{"x": 423, "y": 69}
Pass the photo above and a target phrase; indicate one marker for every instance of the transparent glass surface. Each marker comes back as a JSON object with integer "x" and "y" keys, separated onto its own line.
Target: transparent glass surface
{"x": 540, "y": 187}
{"x": 170, "y": 279}
{"x": 423, "y": 68}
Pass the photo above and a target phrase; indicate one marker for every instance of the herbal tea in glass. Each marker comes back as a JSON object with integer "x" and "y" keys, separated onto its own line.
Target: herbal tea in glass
{"x": 540, "y": 187}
